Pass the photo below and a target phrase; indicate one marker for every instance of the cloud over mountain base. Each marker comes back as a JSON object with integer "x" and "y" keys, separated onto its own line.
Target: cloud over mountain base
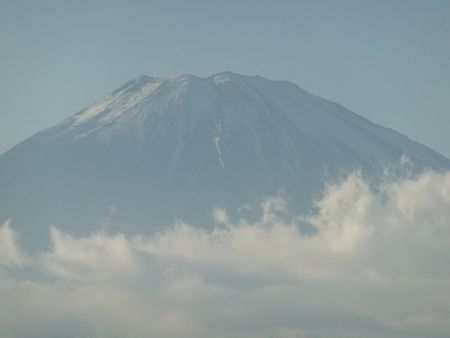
{"x": 378, "y": 266}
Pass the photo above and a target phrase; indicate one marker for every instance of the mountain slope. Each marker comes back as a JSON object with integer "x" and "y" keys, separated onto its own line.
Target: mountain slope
{"x": 159, "y": 149}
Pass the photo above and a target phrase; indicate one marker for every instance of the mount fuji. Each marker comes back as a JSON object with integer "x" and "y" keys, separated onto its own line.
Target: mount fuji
{"x": 158, "y": 149}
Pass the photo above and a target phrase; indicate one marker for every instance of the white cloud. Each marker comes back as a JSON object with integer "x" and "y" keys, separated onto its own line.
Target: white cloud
{"x": 377, "y": 267}
{"x": 95, "y": 256}
{"x": 10, "y": 253}
{"x": 343, "y": 218}
{"x": 220, "y": 215}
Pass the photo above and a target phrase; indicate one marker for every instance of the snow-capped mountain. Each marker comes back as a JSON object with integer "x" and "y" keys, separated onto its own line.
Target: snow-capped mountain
{"x": 157, "y": 149}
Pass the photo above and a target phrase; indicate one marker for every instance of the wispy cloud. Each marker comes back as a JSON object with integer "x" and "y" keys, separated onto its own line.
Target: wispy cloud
{"x": 10, "y": 253}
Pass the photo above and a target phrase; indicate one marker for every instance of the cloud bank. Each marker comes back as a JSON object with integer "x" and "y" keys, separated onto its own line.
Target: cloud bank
{"x": 377, "y": 265}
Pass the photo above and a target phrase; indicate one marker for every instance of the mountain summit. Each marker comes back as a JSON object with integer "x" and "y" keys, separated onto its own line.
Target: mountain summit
{"x": 157, "y": 149}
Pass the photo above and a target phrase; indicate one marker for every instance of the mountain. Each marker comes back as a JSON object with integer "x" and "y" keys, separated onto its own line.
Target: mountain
{"x": 157, "y": 149}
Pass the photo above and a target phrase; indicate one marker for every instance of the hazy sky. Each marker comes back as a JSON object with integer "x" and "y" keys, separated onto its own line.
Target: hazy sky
{"x": 386, "y": 60}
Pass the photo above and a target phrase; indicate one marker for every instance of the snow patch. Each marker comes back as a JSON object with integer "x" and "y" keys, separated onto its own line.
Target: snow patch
{"x": 114, "y": 106}
{"x": 222, "y": 78}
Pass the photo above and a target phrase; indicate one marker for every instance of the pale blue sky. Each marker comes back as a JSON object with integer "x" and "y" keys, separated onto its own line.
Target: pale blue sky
{"x": 386, "y": 60}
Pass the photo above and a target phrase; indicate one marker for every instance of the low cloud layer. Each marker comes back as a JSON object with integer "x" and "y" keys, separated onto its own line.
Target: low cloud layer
{"x": 377, "y": 265}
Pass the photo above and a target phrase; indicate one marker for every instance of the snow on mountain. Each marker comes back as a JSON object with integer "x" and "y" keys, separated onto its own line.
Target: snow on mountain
{"x": 157, "y": 149}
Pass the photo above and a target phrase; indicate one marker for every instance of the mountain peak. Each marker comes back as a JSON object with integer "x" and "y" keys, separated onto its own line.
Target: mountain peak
{"x": 226, "y": 76}
{"x": 145, "y": 78}
{"x": 217, "y": 78}
{"x": 130, "y": 99}
{"x": 162, "y": 148}
{"x": 228, "y": 100}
